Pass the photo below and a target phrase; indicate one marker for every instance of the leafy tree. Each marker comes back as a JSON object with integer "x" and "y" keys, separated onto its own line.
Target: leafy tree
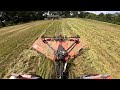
{"x": 91, "y": 16}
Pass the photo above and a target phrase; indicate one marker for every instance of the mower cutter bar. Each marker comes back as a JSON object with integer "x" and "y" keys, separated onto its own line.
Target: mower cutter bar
{"x": 60, "y": 38}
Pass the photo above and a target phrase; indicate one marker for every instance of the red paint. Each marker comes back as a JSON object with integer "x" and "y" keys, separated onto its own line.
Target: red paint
{"x": 48, "y": 52}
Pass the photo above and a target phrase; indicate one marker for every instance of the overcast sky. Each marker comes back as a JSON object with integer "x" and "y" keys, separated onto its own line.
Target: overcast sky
{"x": 105, "y": 12}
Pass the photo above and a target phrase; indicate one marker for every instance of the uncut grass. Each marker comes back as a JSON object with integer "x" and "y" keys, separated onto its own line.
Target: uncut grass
{"x": 54, "y": 30}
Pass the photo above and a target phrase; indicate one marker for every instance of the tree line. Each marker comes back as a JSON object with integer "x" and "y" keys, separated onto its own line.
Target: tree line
{"x": 16, "y": 17}
{"x": 111, "y": 18}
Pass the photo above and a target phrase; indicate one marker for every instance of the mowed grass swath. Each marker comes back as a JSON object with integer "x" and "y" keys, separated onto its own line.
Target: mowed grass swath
{"x": 101, "y": 55}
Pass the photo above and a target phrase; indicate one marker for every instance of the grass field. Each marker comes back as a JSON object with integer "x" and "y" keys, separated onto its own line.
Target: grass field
{"x": 102, "y": 54}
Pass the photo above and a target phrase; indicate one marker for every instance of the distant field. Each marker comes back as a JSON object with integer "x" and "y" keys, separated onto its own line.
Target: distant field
{"x": 102, "y": 54}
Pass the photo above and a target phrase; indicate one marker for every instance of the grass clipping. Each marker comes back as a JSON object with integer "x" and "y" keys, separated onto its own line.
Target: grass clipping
{"x": 88, "y": 63}
{"x": 25, "y": 63}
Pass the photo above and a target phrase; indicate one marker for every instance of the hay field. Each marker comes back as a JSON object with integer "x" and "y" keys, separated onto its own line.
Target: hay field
{"x": 102, "y": 54}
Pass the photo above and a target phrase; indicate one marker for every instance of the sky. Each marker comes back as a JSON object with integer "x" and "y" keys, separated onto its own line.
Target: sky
{"x": 105, "y": 12}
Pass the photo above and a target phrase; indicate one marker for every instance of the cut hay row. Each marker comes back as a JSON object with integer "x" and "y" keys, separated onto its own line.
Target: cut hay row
{"x": 24, "y": 40}
{"x": 99, "y": 58}
{"x": 40, "y": 64}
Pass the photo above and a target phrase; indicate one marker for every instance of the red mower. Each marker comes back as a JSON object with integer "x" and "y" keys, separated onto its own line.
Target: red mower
{"x": 61, "y": 49}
